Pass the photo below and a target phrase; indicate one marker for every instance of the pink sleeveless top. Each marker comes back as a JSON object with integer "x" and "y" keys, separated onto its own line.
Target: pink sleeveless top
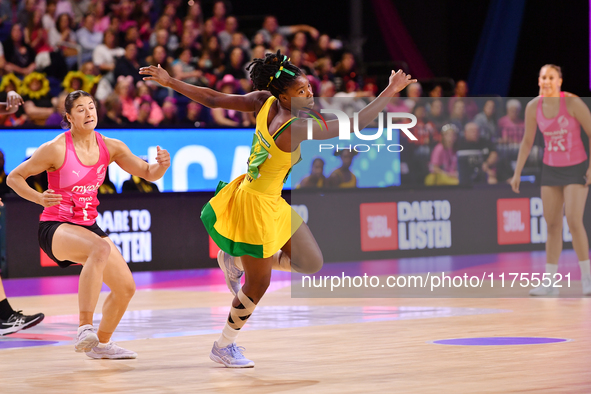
{"x": 562, "y": 137}
{"x": 78, "y": 185}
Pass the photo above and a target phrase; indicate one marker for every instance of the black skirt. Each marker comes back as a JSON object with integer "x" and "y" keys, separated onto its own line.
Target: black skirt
{"x": 45, "y": 234}
{"x": 562, "y": 176}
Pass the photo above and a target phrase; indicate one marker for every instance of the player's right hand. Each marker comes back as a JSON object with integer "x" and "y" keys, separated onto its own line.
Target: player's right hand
{"x": 515, "y": 181}
{"x": 399, "y": 80}
{"x": 50, "y": 198}
{"x": 157, "y": 74}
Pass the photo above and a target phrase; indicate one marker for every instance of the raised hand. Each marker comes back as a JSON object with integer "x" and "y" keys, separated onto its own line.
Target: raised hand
{"x": 50, "y": 198}
{"x": 163, "y": 157}
{"x": 156, "y": 74}
{"x": 399, "y": 80}
{"x": 13, "y": 99}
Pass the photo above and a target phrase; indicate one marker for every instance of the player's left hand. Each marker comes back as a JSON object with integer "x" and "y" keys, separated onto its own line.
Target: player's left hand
{"x": 588, "y": 177}
{"x": 13, "y": 99}
{"x": 163, "y": 157}
{"x": 1, "y": 203}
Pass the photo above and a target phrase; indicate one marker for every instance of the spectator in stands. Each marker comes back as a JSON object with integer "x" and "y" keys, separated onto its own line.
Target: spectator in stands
{"x": 436, "y": 114}
{"x": 143, "y": 114}
{"x": 102, "y": 20}
{"x": 487, "y": 121}
{"x": 195, "y": 14}
{"x": 443, "y": 166}
{"x": 437, "y": 91}
{"x": 326, "y": 47}
{"x": 425, "y": 131}
{"x": 278, "y": 43}
{"x": 5, "y": 19}
{"x": 136, "y": 184}
{"x": 219, "y": 16}
{"x": 342, "y": 177}
{"x": 64, "y": 38}
{"x": 170, "y": 111}
{"x": 37, "y": 97}
{"x": 20, "y": 57}
{"x": 162, "y": 35}
{"x": 88, "y": 38}
{"x": 125, "y": 89}
{"x": 235, "y": 65}
{"x": 240, "y": 40}
{"x": 212, "y": 58}
{"x": 124, "y": 12}
{"x": 197, "y": 116}
{"x": 270, "y": 27}
{"x": 26, "y": 13}
{"x": 345, "y": 70}
{"x": 128, "y": 64}
{"x": 185, "y": 69}
{"x": 458, "y": 116}
{"x": 113, "y": 113}
{"x": 324, "y": 70}
{"x": 477, "y": 157}
{"x": 414, "y": 92}
{"x": 176, "y": 24}
{"x": 396, "y": 104}
{"x": 461, "y": 94}
{"x": 316, "y": 179}
{"x": 225, "y": 36}
{"x": 144, "y": 94}
{"x": 160, "y": 56}
{"x": 188, "y": 42}
{"x": 511, "y": 126}
{"x": 48, "y": 19}
{"x": 59, "y": 109}
{"x": 105, "y": 54}
{"x": 132, "y": 35}
{"x": 35, "y": 35}
{"x": 297, "y": 59}
{"x": 224, "y": 117}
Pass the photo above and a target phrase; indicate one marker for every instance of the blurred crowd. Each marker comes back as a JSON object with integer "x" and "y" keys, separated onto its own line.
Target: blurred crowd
{"x": 49, "y": 48}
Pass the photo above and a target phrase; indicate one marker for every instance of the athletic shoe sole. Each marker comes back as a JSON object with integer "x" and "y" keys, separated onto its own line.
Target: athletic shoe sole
{"x": 12, "y": 330}
{"x": 86, "y": 345}
{"x": 218, "y": 360}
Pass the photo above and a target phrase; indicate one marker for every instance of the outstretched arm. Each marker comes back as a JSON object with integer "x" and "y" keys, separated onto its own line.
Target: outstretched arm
{"x": 398, "y": 81}
{"x": 13, "y": 101}
{"x": 132, "y": 164}
{"x": 250, "y": 102}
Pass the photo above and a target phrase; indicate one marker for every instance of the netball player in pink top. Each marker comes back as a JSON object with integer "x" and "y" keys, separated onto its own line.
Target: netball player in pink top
{"x": 76, "y": 162}
{"x": 566, "y": 170}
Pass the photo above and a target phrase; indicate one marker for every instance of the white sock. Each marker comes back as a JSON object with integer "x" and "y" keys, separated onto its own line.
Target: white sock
{"x": 552, "y": 269}
{"x": 84, "y": 327}
{"x": 228, "y": 336}
{"x": 102, "y": 345}
{"x": 281, "y": 262}
{"x": 585, "y": 268}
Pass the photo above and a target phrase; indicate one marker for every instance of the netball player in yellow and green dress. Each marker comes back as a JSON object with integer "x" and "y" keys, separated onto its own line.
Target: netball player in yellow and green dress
{"x": 248, "y": 219}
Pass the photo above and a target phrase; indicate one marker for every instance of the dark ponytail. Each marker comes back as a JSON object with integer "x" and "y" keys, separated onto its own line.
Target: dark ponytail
{"x": 75, "y": 95}
{"x": 263, "y": 73}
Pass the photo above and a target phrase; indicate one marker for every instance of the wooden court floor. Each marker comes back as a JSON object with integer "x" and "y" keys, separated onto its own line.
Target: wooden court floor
{"x": 364, "y": 355}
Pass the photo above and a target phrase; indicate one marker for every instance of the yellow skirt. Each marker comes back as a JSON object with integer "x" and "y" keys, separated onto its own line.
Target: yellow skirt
{"x": 244, "y": 222}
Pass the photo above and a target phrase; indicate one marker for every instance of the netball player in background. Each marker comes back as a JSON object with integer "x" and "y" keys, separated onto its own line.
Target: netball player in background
{"x": 566, "y": 170}
{"x": 248, "y": 219}
{"x": 76, "y": 163}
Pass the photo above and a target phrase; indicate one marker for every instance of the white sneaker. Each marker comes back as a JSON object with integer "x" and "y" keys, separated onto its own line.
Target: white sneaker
{"x": 544, "y": 291}
{"x": 586, "y": 282}
{"x": 231, "y": 356}
{"x": 111, "y": 351}
{"x": 232, "y": 273}
{"x": 86, "y": 339}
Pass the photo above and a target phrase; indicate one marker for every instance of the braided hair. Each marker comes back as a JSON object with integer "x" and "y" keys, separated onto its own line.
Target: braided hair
{"x": 274, "y": 73}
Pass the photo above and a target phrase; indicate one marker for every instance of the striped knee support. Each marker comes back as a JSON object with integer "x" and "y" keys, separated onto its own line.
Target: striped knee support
{"x": 240, "y": 314}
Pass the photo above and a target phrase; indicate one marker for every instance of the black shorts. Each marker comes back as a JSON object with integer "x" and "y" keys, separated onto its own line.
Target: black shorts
{"x": 562, "y": 176}
{"x": 46, "y": 231}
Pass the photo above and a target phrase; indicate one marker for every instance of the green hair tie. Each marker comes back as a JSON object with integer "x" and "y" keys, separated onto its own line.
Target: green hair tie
{"x": 278, "y": 73}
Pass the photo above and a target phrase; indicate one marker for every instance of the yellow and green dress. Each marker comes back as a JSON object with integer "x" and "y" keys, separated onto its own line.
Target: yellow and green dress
{"x": 248, "y": 216}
